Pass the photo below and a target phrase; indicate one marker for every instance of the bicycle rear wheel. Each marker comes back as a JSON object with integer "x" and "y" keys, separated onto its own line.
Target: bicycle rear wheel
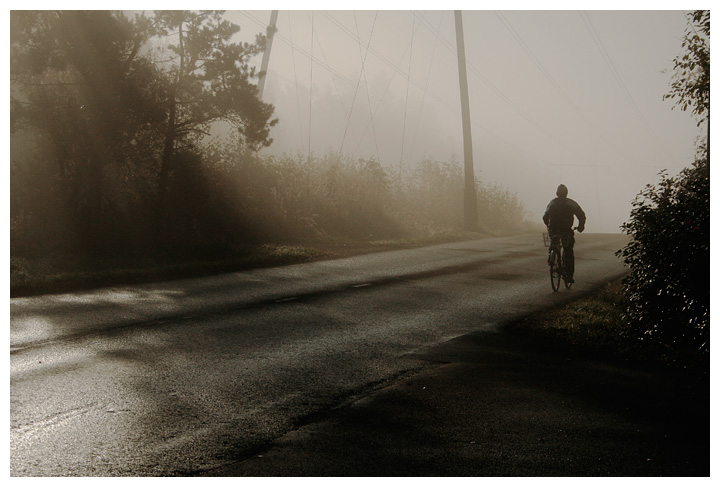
{"x": 568, "y": 285}
{"x": 555, "y": 275}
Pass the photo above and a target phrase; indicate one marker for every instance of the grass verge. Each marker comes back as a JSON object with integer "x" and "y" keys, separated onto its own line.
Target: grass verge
{"x": 593, "y": 326}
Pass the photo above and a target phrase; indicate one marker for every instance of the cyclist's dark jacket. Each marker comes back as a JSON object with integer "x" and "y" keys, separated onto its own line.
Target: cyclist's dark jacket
{"x": 559, "y": 215}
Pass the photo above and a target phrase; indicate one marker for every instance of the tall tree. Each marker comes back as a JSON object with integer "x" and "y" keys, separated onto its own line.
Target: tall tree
{"x": 78, "y": 79}
{"x": 209, "y": 81}
{"x": 121, "y": 118}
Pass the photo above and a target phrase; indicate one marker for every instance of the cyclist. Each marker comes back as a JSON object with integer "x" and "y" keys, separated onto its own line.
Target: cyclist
{"x": 559, "y": 217}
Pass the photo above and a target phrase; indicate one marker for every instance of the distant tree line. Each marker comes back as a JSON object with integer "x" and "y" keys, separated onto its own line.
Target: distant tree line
{"x": 111, "y": 148}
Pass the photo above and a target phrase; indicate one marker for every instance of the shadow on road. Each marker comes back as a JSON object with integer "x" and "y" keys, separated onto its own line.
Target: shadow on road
{"x": 503, "y": 404}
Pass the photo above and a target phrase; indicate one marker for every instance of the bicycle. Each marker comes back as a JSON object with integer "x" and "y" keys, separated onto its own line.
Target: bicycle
{"x": 556, "y": 261}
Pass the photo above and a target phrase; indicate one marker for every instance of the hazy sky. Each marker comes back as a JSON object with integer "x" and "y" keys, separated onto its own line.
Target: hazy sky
{"x": 555, "y": 95}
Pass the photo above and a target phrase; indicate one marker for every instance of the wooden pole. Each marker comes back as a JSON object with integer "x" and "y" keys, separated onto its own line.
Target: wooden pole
{"x": 470, "y": 196}
{"x": 266, "y": 55}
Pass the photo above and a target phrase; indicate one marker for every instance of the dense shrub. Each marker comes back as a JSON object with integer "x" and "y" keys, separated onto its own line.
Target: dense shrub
{"x": 668, "y": 288}
{"x": 298, "y": 198}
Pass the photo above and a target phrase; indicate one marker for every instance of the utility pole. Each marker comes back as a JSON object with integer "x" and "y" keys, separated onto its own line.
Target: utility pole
{"x": 470, "y": 197}
{"x": 266, "y": 55}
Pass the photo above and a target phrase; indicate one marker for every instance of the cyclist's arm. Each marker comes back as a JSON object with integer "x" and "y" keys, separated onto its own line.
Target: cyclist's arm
{"x": 546, "y": 216}
{"x": 580, "y": 214}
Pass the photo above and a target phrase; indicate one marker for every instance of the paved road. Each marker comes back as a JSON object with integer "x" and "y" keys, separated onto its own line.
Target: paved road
{"x": 191, "y": 376}
{"x": 503, "y": 404}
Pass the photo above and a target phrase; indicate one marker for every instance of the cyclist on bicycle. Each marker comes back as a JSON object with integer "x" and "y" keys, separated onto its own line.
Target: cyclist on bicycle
{"x": 559, "y": 217}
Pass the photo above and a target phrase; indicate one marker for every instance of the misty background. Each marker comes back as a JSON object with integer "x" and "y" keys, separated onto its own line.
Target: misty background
{"x": 139, "y": 139}
{"x": 573, "y": 97}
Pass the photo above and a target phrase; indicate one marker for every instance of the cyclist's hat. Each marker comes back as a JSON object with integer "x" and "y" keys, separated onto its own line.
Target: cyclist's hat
{"x": 562, "y": 191}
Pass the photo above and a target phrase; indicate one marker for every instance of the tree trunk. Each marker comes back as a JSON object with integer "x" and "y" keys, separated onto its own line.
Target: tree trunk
{"x": 170, "y": 136}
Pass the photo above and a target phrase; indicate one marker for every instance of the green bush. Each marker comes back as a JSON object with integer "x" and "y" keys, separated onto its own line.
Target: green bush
{"x": 668, "y": 288}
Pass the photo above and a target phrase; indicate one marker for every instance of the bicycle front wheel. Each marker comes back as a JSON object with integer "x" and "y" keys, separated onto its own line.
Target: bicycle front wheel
{"x": 567, "y": 284}
{"x": 555, "y": 275}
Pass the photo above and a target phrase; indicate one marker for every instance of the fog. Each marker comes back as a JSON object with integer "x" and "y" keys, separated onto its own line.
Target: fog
{"x": 555, "y": 96}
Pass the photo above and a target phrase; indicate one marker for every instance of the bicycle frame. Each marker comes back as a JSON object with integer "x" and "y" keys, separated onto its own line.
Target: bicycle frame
{"x": 556, "y": 261}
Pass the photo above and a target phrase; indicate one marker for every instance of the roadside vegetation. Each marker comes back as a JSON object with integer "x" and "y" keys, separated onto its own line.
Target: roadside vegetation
{"x": 596, "y": 325}
{"x": 135, "y": 154}
{"x": 592, "y": 324}
{"x": 39, "y": 275}
{"x": 667, "y": 292}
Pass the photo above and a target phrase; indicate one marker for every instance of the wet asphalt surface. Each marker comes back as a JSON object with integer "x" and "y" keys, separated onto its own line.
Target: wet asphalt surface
{"x": 499, "y": 404}
{"x": 390, "y": 364}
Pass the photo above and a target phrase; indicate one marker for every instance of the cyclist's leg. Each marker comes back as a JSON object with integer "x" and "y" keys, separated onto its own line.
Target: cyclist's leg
{"x": 555, "y": 240}
{"x": 568, "y": 241}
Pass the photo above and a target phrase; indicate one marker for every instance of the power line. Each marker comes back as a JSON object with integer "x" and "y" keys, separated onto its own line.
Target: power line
{"x": 476, "y": 72}
{"x": 312, "y": 42}
{"x": 407, "y": 96}
{"x": 302, "y": 51}
{"x": 427, "y": 81}
{"x": 357, "y": 87}
{"x": 385, "y": 92}
{"x": 393, "y": 65}
{"x": 325, "y": 64}
{"x": 438, "y": 35}
{"x": 552, "y": 81}
{"x": 439, "y": 39}
{"x": 613, "y": 70}
{"x": 367, "y": 90}
{"x": 297, "y": 93}
{"x": 473, "y": 69}
{"x": 333, "y": 76}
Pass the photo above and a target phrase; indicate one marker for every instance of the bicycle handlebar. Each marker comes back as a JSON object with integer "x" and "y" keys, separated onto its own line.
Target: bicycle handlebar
{"x": 548, "y": 228}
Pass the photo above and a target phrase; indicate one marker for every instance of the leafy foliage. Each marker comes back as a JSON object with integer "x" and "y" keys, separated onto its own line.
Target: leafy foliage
{"x": 691, "y": 81}
{"x": 432, "y": 200}
{"x": 108, "y": 124}
{"x": 80, "y": 92}
{"x": 668, "y": 288}
{"x": 110, "y": 154}
{"x": 209, "y": 77}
